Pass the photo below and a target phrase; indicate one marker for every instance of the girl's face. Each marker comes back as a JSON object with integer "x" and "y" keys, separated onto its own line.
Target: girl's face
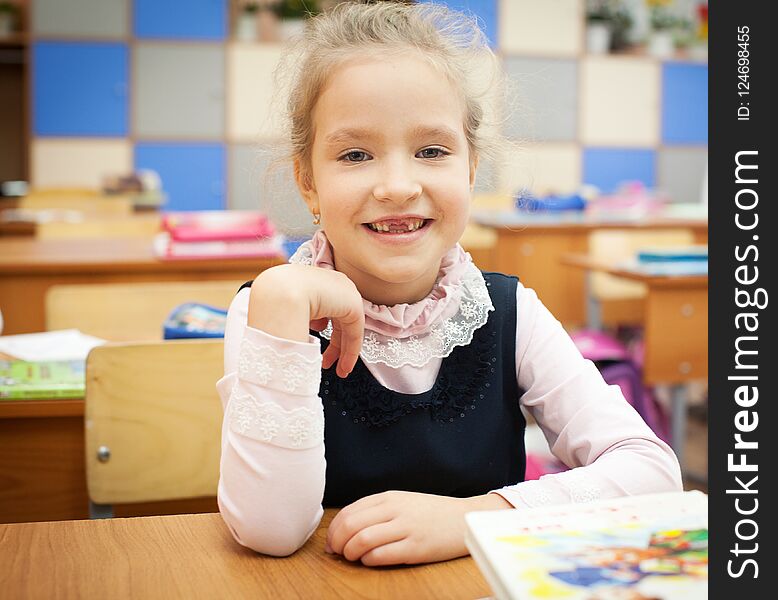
{"x": 390, "y": 174}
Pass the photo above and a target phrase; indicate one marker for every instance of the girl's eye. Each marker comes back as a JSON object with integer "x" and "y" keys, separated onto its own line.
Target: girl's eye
{"x": 355, "y": 156}
{"x": 432, "y": 153}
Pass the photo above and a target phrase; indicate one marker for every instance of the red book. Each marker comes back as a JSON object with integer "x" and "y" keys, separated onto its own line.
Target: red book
{"x": 217, "y": 225}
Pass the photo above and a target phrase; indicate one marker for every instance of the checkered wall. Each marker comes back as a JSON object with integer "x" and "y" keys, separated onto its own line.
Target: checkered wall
{"x": 118, "y": 85}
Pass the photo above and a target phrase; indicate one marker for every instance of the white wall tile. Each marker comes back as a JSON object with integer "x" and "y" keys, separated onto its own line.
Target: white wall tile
{"x": 542, "y": 169}
{"x": 541, "y": 27}
{"x": 252, "y": 109}
{"x": 619, "y": 101}
{"x": 78, "y": 162}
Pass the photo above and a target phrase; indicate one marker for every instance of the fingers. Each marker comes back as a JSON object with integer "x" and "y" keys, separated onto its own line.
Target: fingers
{"x": 345, "y": 344}
{"x": 319, "y": 324}
{"x": 353, "y": 518}
{"x": 371, "y": 539}
{"x": 332, "y": 352}
{"x": 394, "y": 553}
{"x": 353, "y": 328}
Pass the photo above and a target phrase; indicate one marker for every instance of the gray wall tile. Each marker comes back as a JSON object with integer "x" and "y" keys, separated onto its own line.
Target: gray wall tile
{"x": 680, "y": 172}
{"x": 544, "y": 98}
{"x": 101, "y": 18}
{"x": 254, "y": 186}
{"x": 178, "y": 90}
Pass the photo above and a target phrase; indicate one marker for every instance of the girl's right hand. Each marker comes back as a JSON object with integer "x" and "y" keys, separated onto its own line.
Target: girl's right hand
{"x": 288, "y": 300}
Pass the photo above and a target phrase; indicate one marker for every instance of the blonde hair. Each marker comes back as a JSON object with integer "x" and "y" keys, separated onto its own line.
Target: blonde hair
{"x": 451, "y": 41}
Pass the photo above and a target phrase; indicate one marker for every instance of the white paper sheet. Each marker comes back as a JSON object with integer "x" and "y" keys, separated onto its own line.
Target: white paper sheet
{"x": 64, "y": 344}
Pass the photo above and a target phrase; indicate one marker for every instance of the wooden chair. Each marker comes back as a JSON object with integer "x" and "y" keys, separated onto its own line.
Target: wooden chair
{"x": 128, "y": 311}
{"x": 109, "y": 226}
{"x": 152, "y": 422}
{"x": 83, "y": 201}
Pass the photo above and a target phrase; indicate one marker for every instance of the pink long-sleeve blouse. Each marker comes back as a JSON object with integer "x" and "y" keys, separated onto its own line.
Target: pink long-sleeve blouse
{"x": 273, "y": 466}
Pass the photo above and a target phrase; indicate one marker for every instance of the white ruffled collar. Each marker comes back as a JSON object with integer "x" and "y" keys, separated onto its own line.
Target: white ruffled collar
{"x": 414, "y": 334}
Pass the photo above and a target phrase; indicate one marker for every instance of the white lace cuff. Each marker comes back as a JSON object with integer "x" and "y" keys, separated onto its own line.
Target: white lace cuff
{"x": 288, "y": 372}
{"x": 568, "y": 487}
{"x": 268, "y": 422}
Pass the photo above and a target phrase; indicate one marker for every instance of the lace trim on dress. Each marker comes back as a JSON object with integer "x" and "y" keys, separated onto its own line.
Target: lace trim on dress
{"x": 268, "y": 422}
{"x": 302, "y": 256}
{"x": 442, "y": 337}
{"x": 290, "y": 372}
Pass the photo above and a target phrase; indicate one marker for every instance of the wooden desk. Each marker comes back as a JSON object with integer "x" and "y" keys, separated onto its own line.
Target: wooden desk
{"x": 675, "y": 332}
{"x": 42, "y": 473}
{"x": 28, "y": 267}
{"x": 532, "y": 246}
{"x": 43, "y": 466}
{"x": 194, "y": 556}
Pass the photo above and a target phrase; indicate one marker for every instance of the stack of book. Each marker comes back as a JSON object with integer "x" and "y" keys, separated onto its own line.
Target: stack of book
{"x": 651, "y": 546}
{"x": 680, "y": 261}
{"x": 217, "y": 234}
{"x": 24, "y": 380}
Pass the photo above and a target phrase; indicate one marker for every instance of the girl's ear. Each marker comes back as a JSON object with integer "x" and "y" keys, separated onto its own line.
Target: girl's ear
{"x": 305, "y": 184}
{"x": 473, "y": 168}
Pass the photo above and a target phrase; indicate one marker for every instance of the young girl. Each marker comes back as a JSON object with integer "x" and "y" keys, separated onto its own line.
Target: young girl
{"x": 411, "y": 415}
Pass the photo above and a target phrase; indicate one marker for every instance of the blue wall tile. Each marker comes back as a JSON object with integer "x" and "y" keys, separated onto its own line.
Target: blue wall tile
{"x": 607, "y": 168}
{"x": 485, "y": 10}
{"x": 684, "y": 103}
{"x": 181, "y": 19}
{"x": 192, "y": 174}
{"x": 80, "y": 89}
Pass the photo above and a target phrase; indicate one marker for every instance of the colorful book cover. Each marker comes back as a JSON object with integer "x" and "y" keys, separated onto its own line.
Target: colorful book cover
{"x": 640, "y": 547}
{"x": 166, "y": 248}
{"x": 195, "y": 320}
{"x": 20, "y": 380}
{"x": 217, "y": 225}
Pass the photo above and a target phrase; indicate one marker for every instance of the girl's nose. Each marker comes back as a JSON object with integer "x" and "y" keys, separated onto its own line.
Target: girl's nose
{"x": 397, "y": 184}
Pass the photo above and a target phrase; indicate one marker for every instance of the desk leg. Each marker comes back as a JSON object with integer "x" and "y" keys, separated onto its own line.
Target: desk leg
{"x": 678, "y": 423}
{"x": 593, "y": 306}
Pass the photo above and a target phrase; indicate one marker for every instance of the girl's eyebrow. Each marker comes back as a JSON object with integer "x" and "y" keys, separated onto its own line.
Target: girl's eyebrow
{"x": 348, "y": 134}
{"x": 441, "y": 133}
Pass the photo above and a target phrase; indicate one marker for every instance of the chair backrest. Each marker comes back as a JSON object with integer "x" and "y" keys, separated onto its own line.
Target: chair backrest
{"x": 153, "y": 421}
{"x": 85, "y": 202}
{"x": 107, "y": 226}
{"x": 128, "y": 311}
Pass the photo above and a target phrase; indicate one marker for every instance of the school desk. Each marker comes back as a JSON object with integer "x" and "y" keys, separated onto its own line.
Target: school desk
{"x": 675, "y": 331}
{"x": 532, "y": 245}
{"x": 194, "y": 556}
{"x": 42, "y": 465}
{"x": 29, "y": 266}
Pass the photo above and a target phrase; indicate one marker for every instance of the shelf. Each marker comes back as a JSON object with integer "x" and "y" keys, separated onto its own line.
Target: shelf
{"x": 15, "y": 40}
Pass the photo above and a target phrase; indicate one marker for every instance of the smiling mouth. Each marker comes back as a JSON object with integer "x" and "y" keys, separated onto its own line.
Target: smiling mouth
{"x": 396, "y": 226}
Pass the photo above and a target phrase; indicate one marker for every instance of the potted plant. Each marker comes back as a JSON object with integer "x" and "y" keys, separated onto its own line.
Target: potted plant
{"x": 246, "y": 23}
{"x": 9, "y": 13}
{"x": 664, "y": 24}
{"x": 607, "y": 24}
{"x": 293, "y": 14}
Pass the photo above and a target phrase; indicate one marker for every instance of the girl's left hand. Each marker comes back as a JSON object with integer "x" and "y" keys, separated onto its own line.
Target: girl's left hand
{"x": 405, "y": 527}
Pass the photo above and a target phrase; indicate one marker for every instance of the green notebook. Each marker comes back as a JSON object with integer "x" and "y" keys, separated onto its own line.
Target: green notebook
{"x": 48, "y": 379}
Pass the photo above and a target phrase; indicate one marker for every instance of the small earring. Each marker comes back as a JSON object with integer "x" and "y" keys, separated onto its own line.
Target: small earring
{"x": 316, "y": 218}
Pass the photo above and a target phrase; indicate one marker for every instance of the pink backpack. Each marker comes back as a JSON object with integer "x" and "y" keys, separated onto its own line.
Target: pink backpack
{"x": 621, "y": 367}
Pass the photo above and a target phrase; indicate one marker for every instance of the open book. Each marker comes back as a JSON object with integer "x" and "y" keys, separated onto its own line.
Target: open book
{"x": 639, "y": 547}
